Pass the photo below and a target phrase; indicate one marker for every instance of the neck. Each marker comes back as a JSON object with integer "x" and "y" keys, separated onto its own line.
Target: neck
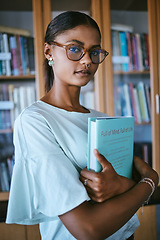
{"x": 65, "y": 98}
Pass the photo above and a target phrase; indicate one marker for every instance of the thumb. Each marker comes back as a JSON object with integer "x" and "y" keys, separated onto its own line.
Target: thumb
{"x": 101, "y": 159}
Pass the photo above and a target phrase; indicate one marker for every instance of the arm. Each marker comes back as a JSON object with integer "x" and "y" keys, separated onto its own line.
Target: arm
{"x": 100, "y": 220}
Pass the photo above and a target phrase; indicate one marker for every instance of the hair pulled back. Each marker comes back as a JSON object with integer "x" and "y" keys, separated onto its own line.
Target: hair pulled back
{"x": 65, "y": 21}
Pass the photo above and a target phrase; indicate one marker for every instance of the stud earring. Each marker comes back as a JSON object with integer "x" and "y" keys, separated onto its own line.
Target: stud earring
{"x": 50, "y": 62}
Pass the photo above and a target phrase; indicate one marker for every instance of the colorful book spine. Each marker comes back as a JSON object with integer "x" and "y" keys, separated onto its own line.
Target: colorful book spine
{"x": 13, "y": 48}
{"x": 6, "y": 50}
{"x": 143, "y": 102}
{"x": 124, "y": 50}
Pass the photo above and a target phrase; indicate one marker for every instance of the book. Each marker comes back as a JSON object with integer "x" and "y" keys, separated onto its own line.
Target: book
{"x": 144, "y": 151}
{"x": 116, "y": 51}
{"x": 14, "y": 60}
{"x": 113, "y": 137}
{"x": 143, "y": 102}
{"x": 6, "y": 50}
{"x": 4, "y": 177}
{"x": 137, "y": 105}
{"x": 124, "y": 50}
{"x": 127, "y": 99}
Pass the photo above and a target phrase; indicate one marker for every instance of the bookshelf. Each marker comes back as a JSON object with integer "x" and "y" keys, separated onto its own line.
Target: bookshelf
{"x": 104, "y": 80}
{"x": 104, "y": 12}
{"x": 33, "y": 79}
{"x": 36, "y": 19}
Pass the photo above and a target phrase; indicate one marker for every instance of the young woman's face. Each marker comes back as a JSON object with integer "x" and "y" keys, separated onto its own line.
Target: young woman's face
{"x": 75, "y": 73}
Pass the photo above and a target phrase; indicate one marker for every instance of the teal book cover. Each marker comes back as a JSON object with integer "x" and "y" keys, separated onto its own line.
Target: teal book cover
{"x": 114, "y": 138}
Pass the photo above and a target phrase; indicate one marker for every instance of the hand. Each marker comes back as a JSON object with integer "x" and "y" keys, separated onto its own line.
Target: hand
{"x": 106, "y": 184}
{"x": 142, "y": 170}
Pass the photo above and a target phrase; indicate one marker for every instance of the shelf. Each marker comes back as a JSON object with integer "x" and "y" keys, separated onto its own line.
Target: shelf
{"x": 4, "y": 196}
{"x": 22, "y": 77}
{"x": 143, "y": 123}
{"x": 132, "y": 72}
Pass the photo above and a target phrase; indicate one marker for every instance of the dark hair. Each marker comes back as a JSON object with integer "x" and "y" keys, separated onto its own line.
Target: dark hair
{"x": 61, "y": 23}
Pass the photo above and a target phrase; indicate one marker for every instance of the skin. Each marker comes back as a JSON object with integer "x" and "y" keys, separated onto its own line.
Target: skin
{"x": 117, "y": 201}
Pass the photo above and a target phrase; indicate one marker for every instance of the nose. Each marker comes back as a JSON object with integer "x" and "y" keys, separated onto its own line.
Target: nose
{"x": 86, "y": 59}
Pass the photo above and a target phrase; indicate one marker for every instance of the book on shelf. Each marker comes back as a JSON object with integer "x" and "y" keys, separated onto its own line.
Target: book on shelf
{"x": 113, "y": 137}
{"x": 4, "y": 177}
{"x": 130, "y": 51}
{"x": 124, "y": 50}
{"x": 16, "y": 54}
{"x": 87, "y": 96}
{"x": 144, "y": 151}
{"x": 6, "y": 170}
{"x": 17, "y": 98}
{"x": 133, "y": 100}
{"x": 143, "y": 102}
{"x": 6, "y": 160}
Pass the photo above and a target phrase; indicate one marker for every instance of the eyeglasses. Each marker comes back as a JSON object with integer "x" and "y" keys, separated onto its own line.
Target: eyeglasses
{"x": 75, "y": 52}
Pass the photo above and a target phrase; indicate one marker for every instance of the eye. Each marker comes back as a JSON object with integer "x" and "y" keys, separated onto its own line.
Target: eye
{"x": 75, "y": 49}
{"x": 96, "y": 52}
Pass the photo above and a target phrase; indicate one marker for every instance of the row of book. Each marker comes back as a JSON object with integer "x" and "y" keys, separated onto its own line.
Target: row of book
{"x": 130, "y": 51}
{"x": 16, "y": 55}
{"x": 133, "y": 100}
{"x": 87, "y": 96}
{"x": 13, "y": 99}
{"x": 6, "y": 169}
{"x": 144, "y": 151}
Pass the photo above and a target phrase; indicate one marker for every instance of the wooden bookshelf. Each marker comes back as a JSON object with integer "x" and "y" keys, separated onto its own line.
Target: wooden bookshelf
{"x": 19, "y": 77}
{"x": 101, "y": 12}
{"x": 4, "y": 196}
{"x": 131, "y": 72}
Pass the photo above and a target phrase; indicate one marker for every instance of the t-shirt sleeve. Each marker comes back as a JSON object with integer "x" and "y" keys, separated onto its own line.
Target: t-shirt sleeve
{"x": 45, "y": 183}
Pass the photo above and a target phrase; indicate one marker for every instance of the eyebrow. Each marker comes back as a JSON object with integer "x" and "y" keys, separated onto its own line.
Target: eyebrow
{"x": 82, "y": 43}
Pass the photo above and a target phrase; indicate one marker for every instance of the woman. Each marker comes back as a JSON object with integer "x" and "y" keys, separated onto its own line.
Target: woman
{"x": 48, "y": 185}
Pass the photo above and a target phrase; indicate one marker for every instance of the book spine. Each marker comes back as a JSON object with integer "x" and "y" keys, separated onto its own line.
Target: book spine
{"x": 116, "y": 51}
{"x": 133, "y": 101}
{"x": 137, "y": 105}
{"x": 143, "y": 103}
{"x": 127, "y": 99}
{"x": 19, "y": 54}
{"x": 6, "y": 50}
{"x": 30, "y": 47}
{"x": 4, "y": 177}
{"x": 13, "y": 47}
{"x": 139, "y": 52}
{"x": 124, "y": 50}
{"x": 135, "y": 54}
{"x": 130, "y": 51}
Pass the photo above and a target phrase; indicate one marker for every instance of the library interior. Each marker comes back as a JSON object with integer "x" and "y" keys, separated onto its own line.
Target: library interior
{"x": 126, "y": 84}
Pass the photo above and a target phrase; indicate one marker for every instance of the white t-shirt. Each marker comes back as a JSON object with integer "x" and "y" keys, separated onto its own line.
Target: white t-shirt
{"x": 50, "y": 150}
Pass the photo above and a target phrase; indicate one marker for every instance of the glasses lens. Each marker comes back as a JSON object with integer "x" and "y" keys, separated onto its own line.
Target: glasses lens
{"x": 74, "y": 52}
{"x": 98, "y": 55}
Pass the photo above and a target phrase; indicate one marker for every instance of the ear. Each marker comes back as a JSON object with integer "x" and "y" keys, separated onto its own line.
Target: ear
{"x": 47, "y": 50}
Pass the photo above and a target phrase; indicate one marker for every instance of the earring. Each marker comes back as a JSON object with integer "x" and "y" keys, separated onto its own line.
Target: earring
{"x": 50, "y": 62}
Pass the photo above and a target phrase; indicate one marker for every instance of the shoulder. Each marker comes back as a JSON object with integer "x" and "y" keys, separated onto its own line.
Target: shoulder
{"x": 96, "y": 113}
{"x": 31, "y": 115}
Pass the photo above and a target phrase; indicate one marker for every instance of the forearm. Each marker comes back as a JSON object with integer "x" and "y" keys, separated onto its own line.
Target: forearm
{"x": 100, "y": 220}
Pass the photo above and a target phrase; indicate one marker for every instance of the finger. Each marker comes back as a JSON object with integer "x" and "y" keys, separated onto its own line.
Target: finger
{"x": 88, "y": 184}
{"x": 101, "y": 159}
{"x": 88, "y": 174}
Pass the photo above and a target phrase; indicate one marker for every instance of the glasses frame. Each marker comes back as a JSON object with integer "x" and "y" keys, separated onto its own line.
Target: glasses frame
{"x": 85, "y": 50}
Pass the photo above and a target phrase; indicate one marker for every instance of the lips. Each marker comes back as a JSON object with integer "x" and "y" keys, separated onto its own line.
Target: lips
{"x": 83, "y": 72}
